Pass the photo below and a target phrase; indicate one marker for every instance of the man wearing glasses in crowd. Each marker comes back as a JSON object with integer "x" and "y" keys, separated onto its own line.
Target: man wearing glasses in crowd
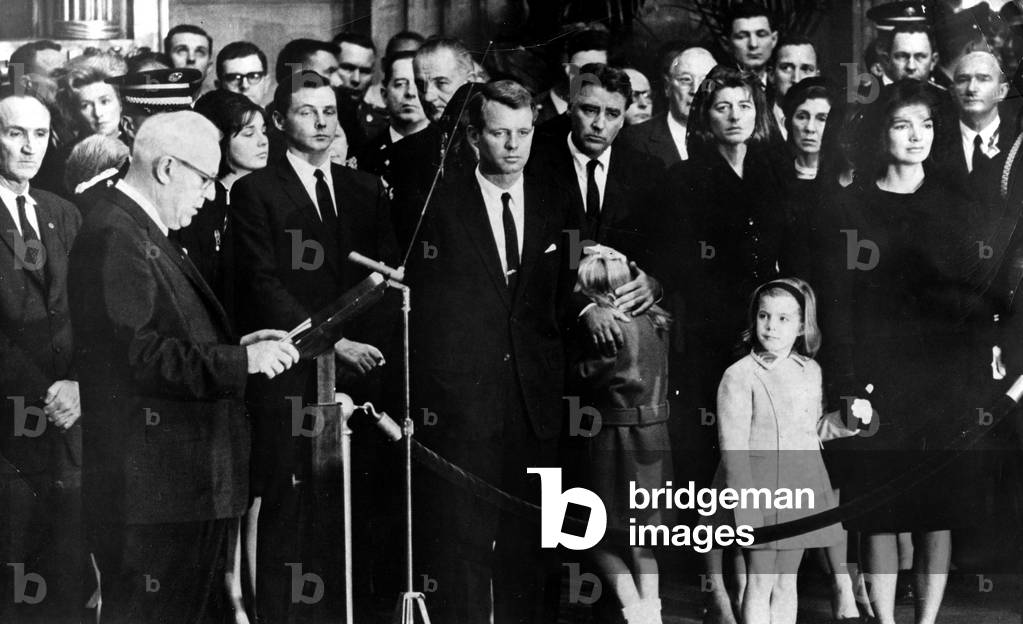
{"x": 241, "y": 68}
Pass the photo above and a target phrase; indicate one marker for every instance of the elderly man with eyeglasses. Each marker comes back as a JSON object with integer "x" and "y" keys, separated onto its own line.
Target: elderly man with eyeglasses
{"x": 163, "y": 378}
{"x": 664, "y": 136}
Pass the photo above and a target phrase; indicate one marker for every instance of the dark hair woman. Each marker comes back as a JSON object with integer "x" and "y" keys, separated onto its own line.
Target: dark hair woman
{"x": 903, "y": 262}
{"x": 243, "y": 149}
{"x": 727, "y": 198}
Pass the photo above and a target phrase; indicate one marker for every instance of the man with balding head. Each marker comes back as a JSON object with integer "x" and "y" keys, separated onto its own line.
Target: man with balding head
{"x": 163, "y": 377}
{"x": 40, "y": 434}
{"x": 682, "y": 71}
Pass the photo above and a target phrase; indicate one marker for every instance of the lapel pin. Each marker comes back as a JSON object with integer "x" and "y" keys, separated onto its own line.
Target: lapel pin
{"x": 50, "y": 225}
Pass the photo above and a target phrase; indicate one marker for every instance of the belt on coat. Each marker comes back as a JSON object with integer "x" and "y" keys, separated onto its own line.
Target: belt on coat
{"x": 633, "y": 416}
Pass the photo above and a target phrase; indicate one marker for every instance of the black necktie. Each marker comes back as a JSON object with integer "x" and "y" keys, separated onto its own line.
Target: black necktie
{"x": 592, "y": 193}
{"x": 979, "y": 158}
{"x": 511, "y": 242}
{"x": 325, "y": 203}
{"x": 29, "y": 234}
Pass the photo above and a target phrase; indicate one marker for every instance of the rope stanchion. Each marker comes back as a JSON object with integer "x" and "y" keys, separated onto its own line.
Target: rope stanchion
{"x": 851, "y": 509}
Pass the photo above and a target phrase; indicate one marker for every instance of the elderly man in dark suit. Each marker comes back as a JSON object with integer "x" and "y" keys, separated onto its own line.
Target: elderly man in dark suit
{"x": 40, "y": 435}
{"x": 488, "y": 360}
{"x": 163, "y": 376}
{"x": 295, "y": 223}
{"x": 979, "y": 88}
{"x": 664, "y": 136}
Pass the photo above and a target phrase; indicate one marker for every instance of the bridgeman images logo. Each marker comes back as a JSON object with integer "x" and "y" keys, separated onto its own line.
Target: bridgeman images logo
{"x": 554, "y": 509}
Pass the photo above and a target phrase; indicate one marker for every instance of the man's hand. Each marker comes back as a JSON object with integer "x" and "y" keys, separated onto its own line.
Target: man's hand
{"x": 269, "y": 356}
{"x": 263, "y": 334}
{"x": 61, "y": 403}
{"x": 360, "y": 357}
{"x": 602, "y": 324}
{"x": 638, "y": 295}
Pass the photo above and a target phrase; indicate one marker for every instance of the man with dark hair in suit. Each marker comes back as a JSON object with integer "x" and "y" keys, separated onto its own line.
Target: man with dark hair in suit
{"x": 241, "y": 68}
{"x": 356, "y": 60}
{"x": 295, "y": 223}
{"x": 405, "y": 114}
{"x": 163, "y": 377}
{"x": 612, "y": 188}
{"x": 751, "y": 33}
{"x": 40, "y": 437}
{"x": 589, "y": 45}
{"x": 498, "y": 281}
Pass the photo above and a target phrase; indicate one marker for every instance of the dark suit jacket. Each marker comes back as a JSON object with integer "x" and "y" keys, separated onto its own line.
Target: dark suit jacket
{"x": 280, "y": 281}
{"x": 992, "y": 173}
{"x": 375, "y": 156}
{"x": 288, "y": 267}
{"x": 166, "y": 436}
{"x": 631, "y": 220}
{"x": 652, "y": 138}
{"x": 470, "y": 336}
{"x": 35, "y": 336}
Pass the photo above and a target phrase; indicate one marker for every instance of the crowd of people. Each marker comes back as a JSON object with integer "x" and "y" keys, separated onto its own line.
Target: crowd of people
{"x": 723, "y": 266}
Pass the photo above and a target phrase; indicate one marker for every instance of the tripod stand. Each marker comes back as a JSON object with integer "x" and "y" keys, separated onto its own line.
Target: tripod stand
{"x": 410, "y": 600}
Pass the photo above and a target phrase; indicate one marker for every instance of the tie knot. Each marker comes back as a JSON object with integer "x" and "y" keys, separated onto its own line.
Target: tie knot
{"x": 505, "y": 199}
{"x": 977, "y": 141}
{"x": 591, "y": 166}
{"x": 318, "y": 174}
{"x": 20, "y": 201}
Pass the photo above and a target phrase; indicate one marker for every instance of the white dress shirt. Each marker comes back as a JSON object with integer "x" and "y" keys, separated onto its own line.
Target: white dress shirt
{"x": 307, "y": 176}
{"x": 988, "y": 137}
{"x": 495, "y": 213}
{"x": 560, "y": 104}
{"x": 678, "y": 135}
{"x": 143, "y": 202}
{"x": 580, "y": 161}
{"x": 10, "y": 200}
{"x": 779, "y": 118}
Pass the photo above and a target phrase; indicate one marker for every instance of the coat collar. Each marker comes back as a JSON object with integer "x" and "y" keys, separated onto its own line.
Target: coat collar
{"x": 769, "y": 361}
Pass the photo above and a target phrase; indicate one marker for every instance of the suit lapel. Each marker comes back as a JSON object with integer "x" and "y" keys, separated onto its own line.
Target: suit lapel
{"x": 56, "y": 247}
{"x": 473, "y": 213}
{"x": 167, "y": 249}
{"x": 616, "y": 190}
{"x": 293, "y": 187}
{"x": 9, "y": 232}
{"x": 535, "y": 226}
{"x": 344, "y": 242}
{"x": 663, "y": 142}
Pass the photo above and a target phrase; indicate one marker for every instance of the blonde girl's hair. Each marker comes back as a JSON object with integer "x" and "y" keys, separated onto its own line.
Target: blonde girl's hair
{"x": 601, "y": 271}
{"x": 810, "y": 342}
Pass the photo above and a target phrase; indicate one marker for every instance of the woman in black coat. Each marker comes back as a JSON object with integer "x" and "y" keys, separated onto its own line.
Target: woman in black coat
{"x": 904, "y": 266}
{"x": 728, "y": 198}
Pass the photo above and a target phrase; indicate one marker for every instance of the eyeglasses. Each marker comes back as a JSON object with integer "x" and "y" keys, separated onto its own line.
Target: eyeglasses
{"x": 207, "y": 179}
{"x": 234, "y": 80}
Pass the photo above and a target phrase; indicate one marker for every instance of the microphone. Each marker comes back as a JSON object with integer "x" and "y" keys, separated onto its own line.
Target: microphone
{"x": 396, "y": 275}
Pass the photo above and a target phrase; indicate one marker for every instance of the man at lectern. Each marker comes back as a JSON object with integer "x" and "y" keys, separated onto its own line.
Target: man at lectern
{"x": 163, "y": 376}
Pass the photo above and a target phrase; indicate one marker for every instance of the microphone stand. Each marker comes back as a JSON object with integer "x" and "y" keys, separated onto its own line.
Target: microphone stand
{"x": 410, "y": 602}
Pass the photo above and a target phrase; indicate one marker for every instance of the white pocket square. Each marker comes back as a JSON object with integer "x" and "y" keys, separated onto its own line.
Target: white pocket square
{"x": 552, "y": 247}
